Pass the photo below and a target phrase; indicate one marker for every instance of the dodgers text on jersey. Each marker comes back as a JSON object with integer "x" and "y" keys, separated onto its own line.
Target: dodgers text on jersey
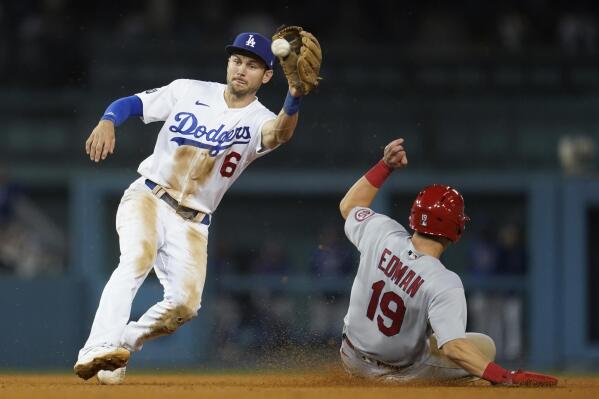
{"x": 215, "y": 139}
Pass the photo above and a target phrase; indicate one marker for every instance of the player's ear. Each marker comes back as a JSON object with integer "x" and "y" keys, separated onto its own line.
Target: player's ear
{"x": 267, "y": 76}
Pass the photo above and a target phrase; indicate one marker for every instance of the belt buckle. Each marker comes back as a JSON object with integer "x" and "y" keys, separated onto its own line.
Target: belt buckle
{"x": 183, "y": 211}
{"x": 187, "y": 214}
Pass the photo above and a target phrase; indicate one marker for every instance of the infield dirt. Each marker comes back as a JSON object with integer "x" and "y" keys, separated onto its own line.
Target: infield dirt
{"x": 324, "y": 384}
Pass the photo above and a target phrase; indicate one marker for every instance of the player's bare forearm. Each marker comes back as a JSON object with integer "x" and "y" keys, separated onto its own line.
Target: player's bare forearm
{"x": 279, "y": 130}
{"x": 362, "y": 193}
{"x": 101, "y": 141}
{"x": 466, "y": 355}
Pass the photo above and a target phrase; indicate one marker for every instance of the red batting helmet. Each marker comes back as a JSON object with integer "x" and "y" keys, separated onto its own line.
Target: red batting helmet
{"x": 439, "y": 210}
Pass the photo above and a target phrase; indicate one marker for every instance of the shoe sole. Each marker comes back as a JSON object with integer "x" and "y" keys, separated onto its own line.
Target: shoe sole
{"x": 108, "y": 361}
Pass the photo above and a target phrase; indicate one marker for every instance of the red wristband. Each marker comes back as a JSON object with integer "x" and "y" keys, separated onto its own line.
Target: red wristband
{"x": 378, "y": 174}
{"x": 495, "y": 373}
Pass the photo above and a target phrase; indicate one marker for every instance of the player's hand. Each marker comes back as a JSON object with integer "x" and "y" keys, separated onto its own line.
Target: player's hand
{"x": 101, "y": 141}
{"x": 527, "y": 378}
{"x": 394, "y": 155}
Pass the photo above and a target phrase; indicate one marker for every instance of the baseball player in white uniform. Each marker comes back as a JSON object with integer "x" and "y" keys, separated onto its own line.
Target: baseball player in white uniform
{"x": 407, "y": 312}
{"x": 211, "y": 133}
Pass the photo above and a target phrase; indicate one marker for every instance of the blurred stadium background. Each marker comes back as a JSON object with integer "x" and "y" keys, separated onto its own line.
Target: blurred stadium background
{"x": 500, "y": 99}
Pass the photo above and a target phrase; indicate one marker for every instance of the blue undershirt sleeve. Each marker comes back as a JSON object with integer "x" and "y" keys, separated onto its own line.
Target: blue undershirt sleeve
{"x": 122, "y": 109}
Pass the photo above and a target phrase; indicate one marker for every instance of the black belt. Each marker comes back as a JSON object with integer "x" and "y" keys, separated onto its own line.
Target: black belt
{"x": 183, "y": 211}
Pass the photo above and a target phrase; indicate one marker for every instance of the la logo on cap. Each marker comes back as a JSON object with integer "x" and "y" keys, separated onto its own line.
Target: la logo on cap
{"x": 256, "y": 44}
{"x": 250, "y": 41}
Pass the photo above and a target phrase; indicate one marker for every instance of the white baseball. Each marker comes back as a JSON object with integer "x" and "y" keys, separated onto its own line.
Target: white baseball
{"x": 280, "y": 47}
{"x": 106, "y": 377}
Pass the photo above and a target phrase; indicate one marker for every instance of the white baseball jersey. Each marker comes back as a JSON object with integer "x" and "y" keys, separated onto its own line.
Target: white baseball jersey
{"x": 203, "y": 145}
{"x": 398, "y": 293}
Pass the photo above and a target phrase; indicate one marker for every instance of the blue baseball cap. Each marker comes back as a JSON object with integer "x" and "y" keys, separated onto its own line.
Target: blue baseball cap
{"x": 254, "y": 43}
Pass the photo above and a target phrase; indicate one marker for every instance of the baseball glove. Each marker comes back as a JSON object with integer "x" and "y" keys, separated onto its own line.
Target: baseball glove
{"x": 302, "y": 65}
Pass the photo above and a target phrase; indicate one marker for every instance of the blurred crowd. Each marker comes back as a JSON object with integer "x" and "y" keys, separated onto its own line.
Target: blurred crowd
{"x": 498, "y": 249}
{"x": 49, "y": 43}
{"x": 264, "y": 317}
{"x": 31, "y": 244}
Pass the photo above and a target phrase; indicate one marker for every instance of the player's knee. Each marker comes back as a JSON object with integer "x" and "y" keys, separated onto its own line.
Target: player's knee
{"x": 180, "y": 315}
{"x": 484, "y": 343}
{"x": 175, "y": 318}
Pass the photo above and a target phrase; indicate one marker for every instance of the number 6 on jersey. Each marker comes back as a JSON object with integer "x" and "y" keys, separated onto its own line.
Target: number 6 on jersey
{"x": 229, "y": 166}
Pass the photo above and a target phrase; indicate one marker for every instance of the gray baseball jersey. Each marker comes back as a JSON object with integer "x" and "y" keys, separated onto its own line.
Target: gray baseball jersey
{"x": 399, "y": 294}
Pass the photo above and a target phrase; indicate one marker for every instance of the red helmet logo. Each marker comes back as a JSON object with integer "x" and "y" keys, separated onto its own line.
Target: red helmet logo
{"x": 439, "y": 210}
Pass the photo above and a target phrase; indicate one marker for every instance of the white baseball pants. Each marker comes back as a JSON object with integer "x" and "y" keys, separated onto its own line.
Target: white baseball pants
{"x": 151, "y": 234}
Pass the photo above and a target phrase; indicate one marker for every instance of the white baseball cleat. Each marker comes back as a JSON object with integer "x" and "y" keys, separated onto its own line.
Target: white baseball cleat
{"x": 115, "y": 377}
{"x": 101, "y": 358}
